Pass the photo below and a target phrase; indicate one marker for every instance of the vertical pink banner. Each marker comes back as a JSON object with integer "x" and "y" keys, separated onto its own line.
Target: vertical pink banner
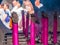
{"x": 15, "y": 34}
{"x": 32, "y": 34}
{"x": 44, "y": 35}
{"x": 55, "y": 31}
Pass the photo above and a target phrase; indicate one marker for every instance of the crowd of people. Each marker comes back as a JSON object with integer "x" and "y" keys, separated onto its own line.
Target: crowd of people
{"x": 6, "y": 13}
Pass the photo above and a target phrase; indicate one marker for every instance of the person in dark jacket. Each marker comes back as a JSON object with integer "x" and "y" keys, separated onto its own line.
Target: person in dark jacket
{"x": 38, "y": 8}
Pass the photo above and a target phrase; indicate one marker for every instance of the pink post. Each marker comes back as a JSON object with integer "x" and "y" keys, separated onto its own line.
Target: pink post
{"x": 44, "y": 35}
{"x": 15, "y": 28}
{"x": 29, "y": 42}
{"x": 55, "y": 31}
{"x": 27, "y": 24}
{"x": 23, "y": 21}
{"x": 46, "y": 32}
{"x": 32, "y": 34}
{"x": 15, "y": 34}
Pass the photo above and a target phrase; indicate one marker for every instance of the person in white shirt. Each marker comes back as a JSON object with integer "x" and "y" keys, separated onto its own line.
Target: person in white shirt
{"x": 15, "y": 6}
{"x": 17, "y": 9}
{"x": 6, "y": 9}
{"x": 3, "y": 16}
{"x": 2, "y": 13}
{"x": 19, "y": 13}
{"x": 28, "y": 6}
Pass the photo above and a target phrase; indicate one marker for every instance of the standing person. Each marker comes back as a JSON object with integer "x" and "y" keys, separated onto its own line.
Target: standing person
{"x": 8, "y": 15}
{"x": 2, "y": 13}
{"x": 38, "y": 8}
{"x": 15, "y": 6}
{"x": 29, "y": 7}
{"x": 9, "y": 2}
{"x": 7, "y": 11}
{"x": 18, "y": 11}
{"x": 38, "y": 4}
{"x": 3, "y": 16}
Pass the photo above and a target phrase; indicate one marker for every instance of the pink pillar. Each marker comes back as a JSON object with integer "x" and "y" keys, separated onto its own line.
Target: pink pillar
{"x": 32, "y": 34}
{"x": 37, "y": 30}
{"x": 15, "y": 34}
{"x": 29, "y": 42}
{"x": 55, "y": 31}
{"x": 23, "y": 21}
{"x": 27, "y": 24}
{"x": 44, "y": 35}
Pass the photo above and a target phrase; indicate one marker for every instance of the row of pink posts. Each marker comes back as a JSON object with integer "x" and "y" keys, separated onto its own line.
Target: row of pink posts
{"x": 25, "y": 29}
{"x": 44, "y": 34}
